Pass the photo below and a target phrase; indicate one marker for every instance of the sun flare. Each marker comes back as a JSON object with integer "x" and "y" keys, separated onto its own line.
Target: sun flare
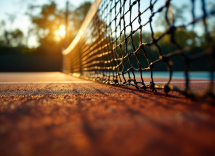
{"x": 61, "y": 32}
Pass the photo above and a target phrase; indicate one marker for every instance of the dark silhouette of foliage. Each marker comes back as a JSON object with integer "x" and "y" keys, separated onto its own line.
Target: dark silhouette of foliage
{"x": 13, "y": 44}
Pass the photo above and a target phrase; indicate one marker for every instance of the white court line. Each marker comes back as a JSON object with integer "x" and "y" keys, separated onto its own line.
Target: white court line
{"x": 68, "y": 82}
{"x": 42, "y": 82}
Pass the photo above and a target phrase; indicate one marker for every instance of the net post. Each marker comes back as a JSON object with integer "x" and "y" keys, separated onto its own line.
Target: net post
{"x": 66, "y": 24}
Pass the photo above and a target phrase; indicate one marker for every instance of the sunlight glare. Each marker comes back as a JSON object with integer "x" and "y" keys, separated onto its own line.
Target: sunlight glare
{"x": 56, "y": 32}
{"x": 61, "y": 32}
{"x": 62, "y": 27}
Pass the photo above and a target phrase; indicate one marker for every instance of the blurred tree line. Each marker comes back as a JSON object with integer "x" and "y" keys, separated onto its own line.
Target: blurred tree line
{"x": 192, "y": 39}
{"x": 191, "y": 42}
{"x": 17, "y": 55}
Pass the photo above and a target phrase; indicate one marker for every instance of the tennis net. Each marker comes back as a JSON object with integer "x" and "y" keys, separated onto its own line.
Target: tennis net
{"x": 120, "y": 40}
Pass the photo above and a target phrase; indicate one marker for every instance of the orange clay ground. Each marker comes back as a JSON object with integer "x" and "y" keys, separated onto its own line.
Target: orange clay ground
{"x": 53, "y": 114}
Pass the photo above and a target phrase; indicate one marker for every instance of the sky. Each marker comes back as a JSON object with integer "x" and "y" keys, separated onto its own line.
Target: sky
{"x": 19, "y": 8}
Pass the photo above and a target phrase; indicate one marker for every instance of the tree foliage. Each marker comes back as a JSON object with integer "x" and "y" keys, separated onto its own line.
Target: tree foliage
{"x": 48, "y": 20}
{"x": 79, "y": 14}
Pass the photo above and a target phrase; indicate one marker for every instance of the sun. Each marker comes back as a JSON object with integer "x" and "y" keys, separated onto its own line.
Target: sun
{"x": 61, "y": 32}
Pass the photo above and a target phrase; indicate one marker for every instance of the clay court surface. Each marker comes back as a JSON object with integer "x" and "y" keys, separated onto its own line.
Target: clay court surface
{"x": 55, "y": 114}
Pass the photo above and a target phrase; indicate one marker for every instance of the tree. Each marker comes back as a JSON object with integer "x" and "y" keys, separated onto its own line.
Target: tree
{"x": 31, "y": 29}
{"x": 47, "y": 22}
{"x": 50, "y": 19}
{"x": 2, "y": 25}
{"x": 79, "y": 14}
{"x": 13, "y": 38}
{"x": 17, "y": 37}
{"x": 177, "y": 14}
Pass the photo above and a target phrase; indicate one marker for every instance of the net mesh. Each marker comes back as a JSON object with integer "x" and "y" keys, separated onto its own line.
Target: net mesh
{"x": 123, "y": 40}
